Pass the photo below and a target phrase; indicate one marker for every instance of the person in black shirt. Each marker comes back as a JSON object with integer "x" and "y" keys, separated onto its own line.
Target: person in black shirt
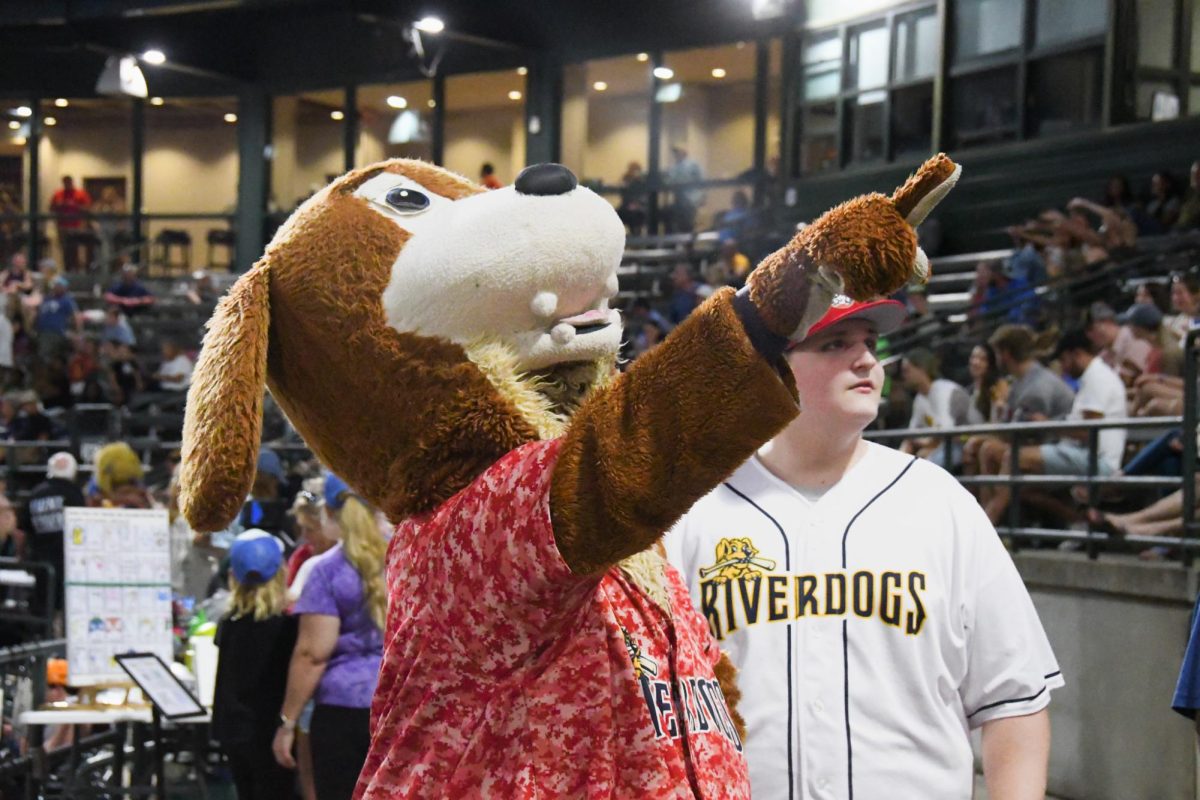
{"x": 44, "y": 515}
{"x": 256, "y": 640}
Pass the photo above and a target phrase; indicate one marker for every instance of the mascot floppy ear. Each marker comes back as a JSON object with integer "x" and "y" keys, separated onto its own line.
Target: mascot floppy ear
{"x": 926, "y": 188}
{"x": 223, "y": 425}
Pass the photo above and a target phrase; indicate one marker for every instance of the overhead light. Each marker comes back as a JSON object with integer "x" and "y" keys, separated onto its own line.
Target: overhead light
{"x": 231, "y": 117}
{"x": 643, "y": 56}
{"x": 514, "y": 95}
{"x": 19, "y": 141}
{"x": 50, "y": 122}
{"x": 429, "y": 25}
{"x": 23, "y": 111}
{"x": 522, "y": 70}
{"x": 396, "y": 101}
{"x": 156, "y": 101}
{"x": 664, "y": 73}
{"x": 408, "y": 127}
{"x": 718, "y": 72}
{"x": 431, "y": 103}
{"x": 121, "y": 76}
{"x": 599, "y": 86}
{"x": 154, "y": 57}
{"x": 13, "y": 125}
{"x": 61, "y": 102}
{"x": 336, "y": 115}
{"x": 669, "y": 92}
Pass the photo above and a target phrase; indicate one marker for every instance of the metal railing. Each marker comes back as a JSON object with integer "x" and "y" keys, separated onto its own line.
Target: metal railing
{"x": 1014, "y": 479}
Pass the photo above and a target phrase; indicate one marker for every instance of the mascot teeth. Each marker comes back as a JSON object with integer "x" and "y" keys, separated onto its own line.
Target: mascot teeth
{"x": 562, "y": 333}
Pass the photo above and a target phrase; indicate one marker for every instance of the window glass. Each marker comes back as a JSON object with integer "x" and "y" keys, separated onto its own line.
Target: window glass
{"x": 1064, "y": 92}
{"x": 917, "y": 45}
{"x": 485, "y": 124}
{"x": 986, "y": 26}
{"x": 1067, "y": 20}
{"x": 912, "y": 121}
{"x": 864, "y": 127}
{"x": 821, "y": 73}
{"x": 984, "y": 107}
{"x": 818, "y": 138}
{"x": 394, "y": 121}
{"x": 867, "y": 65}
{"x": 1156, "y": 33}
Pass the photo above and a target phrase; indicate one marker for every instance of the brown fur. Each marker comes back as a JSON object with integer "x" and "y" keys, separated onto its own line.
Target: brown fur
{"x": 866, "y": 240}
{"x": 684, "y": 416}
{"x": 726, "y": 674}
{"x": 333, "y": 363}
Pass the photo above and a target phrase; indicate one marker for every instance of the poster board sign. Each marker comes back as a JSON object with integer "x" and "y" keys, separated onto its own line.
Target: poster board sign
{"x": 118, "y": 589}
{"x": 160, "y": 685}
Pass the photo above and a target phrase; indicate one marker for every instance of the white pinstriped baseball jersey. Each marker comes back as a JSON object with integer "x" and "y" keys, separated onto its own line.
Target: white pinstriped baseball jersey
{"x": 873, "y": 628}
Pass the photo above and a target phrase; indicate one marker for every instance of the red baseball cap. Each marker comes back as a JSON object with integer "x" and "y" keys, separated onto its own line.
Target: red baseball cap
{"x": 886, "y": 314}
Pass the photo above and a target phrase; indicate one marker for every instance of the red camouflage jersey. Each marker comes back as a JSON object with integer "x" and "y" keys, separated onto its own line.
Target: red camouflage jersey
{"x": 505, "y": 675}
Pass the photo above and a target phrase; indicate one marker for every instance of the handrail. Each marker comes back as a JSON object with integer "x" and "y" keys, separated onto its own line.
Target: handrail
{"x": 1190, "y": 352}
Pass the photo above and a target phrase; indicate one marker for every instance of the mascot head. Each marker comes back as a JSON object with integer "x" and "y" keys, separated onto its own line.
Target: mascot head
{"x": 414, "y": 327}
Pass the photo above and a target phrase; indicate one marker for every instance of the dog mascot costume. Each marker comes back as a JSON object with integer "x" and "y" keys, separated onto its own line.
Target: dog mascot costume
{"x": 451, "y": 353}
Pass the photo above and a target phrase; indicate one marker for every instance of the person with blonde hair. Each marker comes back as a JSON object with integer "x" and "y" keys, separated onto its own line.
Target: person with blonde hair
{"x": 256, "y": 639}
{"x": 340, "y": 647}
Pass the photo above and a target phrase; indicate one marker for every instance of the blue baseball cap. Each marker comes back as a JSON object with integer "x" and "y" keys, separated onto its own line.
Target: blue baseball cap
{"x": 269, "y": 464}
{"x": 255, "y": 556}
{"x": 335, "y": 491}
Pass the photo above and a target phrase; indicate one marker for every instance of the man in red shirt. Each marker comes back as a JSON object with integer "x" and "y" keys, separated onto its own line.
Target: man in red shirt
{"x": 70, "y": 205}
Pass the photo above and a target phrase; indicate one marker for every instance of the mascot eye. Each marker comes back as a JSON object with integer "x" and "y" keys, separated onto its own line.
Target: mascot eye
{"x": 407, "y": 201}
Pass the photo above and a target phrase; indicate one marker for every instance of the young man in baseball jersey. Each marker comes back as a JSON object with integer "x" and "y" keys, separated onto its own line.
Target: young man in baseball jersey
{"x": 872, "y": 610}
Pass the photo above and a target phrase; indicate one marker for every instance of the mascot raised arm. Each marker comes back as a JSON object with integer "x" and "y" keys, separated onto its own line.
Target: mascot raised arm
{"x": 450, "y": 353}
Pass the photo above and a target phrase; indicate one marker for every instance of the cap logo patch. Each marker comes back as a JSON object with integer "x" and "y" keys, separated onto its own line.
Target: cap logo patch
{"x": 841, "y": 301}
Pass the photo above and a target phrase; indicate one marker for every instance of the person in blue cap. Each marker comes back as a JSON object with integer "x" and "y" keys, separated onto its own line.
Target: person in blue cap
{"x": 256, "y": 639}
{"x": 266, "y": 508}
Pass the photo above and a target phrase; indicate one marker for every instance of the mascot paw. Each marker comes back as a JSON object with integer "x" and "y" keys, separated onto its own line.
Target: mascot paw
{"x": 866, "y": 248}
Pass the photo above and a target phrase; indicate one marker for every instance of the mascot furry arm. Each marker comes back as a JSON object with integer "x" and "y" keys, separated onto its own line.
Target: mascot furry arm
{"x": 449, "y": 352}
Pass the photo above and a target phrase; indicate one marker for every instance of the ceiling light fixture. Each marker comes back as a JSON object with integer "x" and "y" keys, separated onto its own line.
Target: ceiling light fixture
{"x": 664, "y": 73}
{"x": 14, "y": 125}
{"x": 62, "y": 102}
{"x": 337, "y": 116}
{"x": 50, "y": 122}
{"x": 431, "y": 103}
{"x": 643, "y": 56}
{"x": 23, "y": 111}
{"x": 514, "y": 95}
{"x": 231, "y": 117}
{"x": 599, "y": 86}
{"x": 431, "y": 25}
{"x": 121, "y": 77}
{"x": 154, "y": 57}
{"x": 718, "y": 72}
{"x": 396, "y": 101}
{"x": 522, "y": 70}
{"x": 156, "y": 101}
{"x": 19, "y": 141}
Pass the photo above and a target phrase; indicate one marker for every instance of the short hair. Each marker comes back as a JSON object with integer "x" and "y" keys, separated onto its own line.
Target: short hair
{"x": 1016, "y": 340}
{"x": 1074, "y": 339}
{"x": 924, "y": 359}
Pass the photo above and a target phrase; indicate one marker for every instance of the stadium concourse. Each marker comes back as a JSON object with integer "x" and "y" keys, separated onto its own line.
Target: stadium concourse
{"x": 1046, "y": 373}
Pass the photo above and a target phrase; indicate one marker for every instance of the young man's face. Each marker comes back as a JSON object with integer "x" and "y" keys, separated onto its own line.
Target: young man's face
{"x": 837, "y": 374}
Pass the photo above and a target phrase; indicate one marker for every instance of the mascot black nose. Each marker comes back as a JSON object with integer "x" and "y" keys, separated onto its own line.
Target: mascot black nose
{"x": 546, "y": 179}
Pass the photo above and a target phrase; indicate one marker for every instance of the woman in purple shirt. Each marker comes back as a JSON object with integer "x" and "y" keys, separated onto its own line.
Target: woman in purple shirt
{"x": 337, "y": 655}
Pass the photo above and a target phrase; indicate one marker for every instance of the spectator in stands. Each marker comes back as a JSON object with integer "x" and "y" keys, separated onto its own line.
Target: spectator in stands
{"x": 1031, "y": 394}
{"x": 29, "y": 424}
{"x": 686, "y": 200}
{"x": 57, "y": 315}
{"x": 1163, "y": 206}
{"x": 1162, "y": 518}
{"x": 736, "y": 221}
{"x": 1101, "y": 396}
{"x": 175, "y": 372}
{"x": 70, "y": 206}
{"x": 685, "y": 295}
{"x": 109, "y": 214}
{"x": 12, "y": 538}
{"x": 266, "y": 508}
{"x": 117, "y": 328}
{"x": 1162, "y": 394}
{"x": 17, "y": 280}
{"x": 340, "y": 647}
{"x": 117, "y": 479}
{"x": 729, "y": 268}
{"x": 1154, "y": 293}
{"x": 202, "y": 291}
{"x": 987, "y": 385}
{"x": 1115, "y": 342}
{"x": 1117, "y": 193}
{"x": 256, "y": 640}
{"x": 127, "y": 377}
{"x": 1002, "y": 294}
{"x": 128, "y": 293}
{"x": 1117, "y": 232}
{"x": 7, "y": 362}
{"x": 937, "y": 403}
{"x": 632, "y": 209}
{"x": 1189, "y": 209}
{"x": 44, "y": 514}
{"x": 194, "y": 561}
{"x": 921, "y": 319}
{"x": 487, "y": 176}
